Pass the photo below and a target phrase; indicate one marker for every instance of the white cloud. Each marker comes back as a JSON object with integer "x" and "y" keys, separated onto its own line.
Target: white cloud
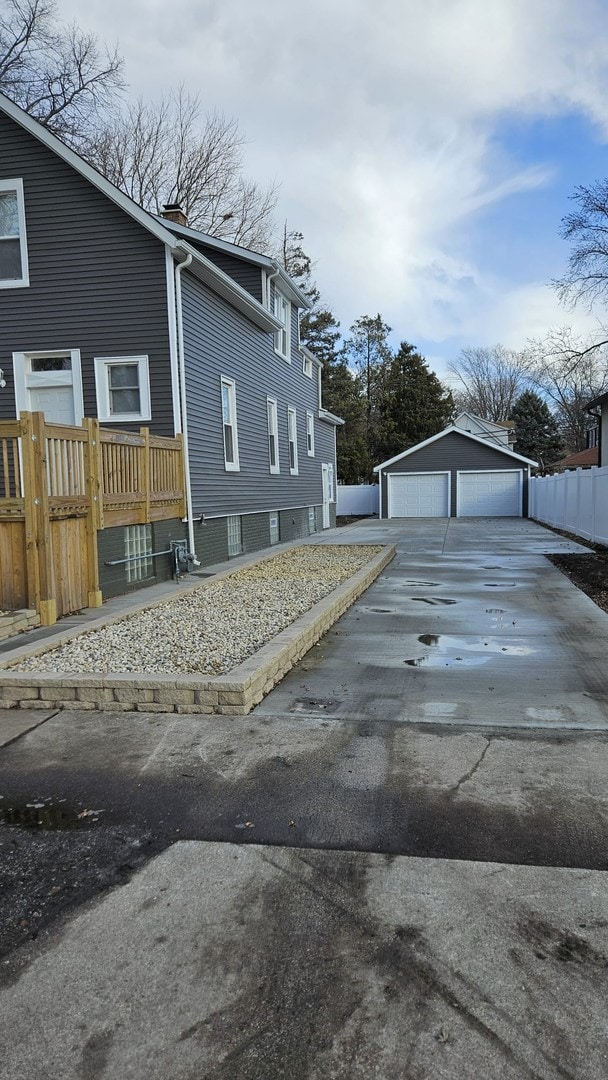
{"x": 379, "y": 121}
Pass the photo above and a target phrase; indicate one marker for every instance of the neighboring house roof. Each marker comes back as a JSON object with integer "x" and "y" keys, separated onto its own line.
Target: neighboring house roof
{"x": 201, "y": 266}
{"x": 583, "y": 459}
{"x": 597, "y": 401}
{"x": 500, "y": 448}
{"x": 497, "y": 431}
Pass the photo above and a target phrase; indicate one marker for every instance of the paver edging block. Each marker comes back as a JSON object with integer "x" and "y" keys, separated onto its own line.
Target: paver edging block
{"x": 233, "y": 694}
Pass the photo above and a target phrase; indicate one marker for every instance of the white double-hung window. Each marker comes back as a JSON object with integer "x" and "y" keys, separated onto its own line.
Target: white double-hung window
{"x": 281, "y": 309}
{"x": 13, "y": 245}
{"x": 122, "y": 384}
{"x": 292, "y": 434}
{"x": 231, "y": 438}
{"x": 310, "y": 434}
{"x": 273, "y": 435}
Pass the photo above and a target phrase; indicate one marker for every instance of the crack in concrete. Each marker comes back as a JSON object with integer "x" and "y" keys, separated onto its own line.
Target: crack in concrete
{"x": 471, "y": 773}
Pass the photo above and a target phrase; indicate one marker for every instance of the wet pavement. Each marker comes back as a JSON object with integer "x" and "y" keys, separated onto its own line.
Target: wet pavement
{"x": 393, "y": 867}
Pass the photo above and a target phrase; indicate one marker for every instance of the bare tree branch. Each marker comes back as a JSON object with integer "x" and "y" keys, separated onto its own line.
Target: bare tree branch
{"x": 63, "y": 77}
{"x": 490, "y": 379}
{"x": 569, "y": 372}
{"x": 167, "y": 152}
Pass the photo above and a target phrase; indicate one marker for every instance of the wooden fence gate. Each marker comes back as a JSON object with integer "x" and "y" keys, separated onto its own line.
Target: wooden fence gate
{"x": 58, "y": 486}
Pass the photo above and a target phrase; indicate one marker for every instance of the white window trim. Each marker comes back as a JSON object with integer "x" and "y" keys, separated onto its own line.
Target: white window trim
{"x": 310, "y": 434}
{"x": 292, "y": 421}
{"x": 102, "y": 389}
{"x": 272, "y": 406}
{"x": 230, "y": 466}
{"x": 286, "y": 355}
{"x": 24, "y": 280}
{"x": 307, "y": 367}
{"x": 22, "y": 370}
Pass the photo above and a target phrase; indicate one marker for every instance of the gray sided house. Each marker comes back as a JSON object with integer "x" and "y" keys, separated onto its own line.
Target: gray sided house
{"x": 455, "y": 474}
{"x": 598, "y": 409}
{"x": 110, "y": 312}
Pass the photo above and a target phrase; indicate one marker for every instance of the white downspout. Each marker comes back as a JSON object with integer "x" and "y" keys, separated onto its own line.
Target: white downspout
{"x": 182, "y": 397}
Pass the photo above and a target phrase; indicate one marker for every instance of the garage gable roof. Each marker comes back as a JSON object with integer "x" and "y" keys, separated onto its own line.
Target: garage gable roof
{"x": 466, "y": 435}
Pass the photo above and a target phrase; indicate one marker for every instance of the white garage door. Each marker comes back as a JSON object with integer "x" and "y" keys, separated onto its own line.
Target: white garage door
{"x": 489, "y": 494}
{"x": 418, "y": 495}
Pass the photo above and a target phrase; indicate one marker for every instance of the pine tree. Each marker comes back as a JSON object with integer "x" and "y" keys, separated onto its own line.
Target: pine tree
{"x": 411, "y": 404}
{"x": 366, "y": 352}
{"x": 536, "y": 431}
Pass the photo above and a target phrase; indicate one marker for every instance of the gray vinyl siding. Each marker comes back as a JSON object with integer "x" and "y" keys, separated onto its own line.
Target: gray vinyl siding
{"x": 220, "y": 341}
{"x": 244, "y": 273}
{"x": 97, "y": 278}
{"x": 256, "y": 532}
{"x": 450, "y": 454}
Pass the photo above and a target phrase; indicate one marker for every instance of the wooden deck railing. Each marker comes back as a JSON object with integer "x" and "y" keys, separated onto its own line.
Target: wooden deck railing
{"x": 51, "y": 475}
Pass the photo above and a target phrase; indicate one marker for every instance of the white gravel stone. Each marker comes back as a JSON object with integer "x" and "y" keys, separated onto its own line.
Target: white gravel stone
{"x": 211, "y": 629}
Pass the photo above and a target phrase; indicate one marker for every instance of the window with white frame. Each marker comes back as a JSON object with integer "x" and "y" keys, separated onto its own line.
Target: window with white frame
{"x": 13, "y": 244}
{"x": 235, "y": 535}
{"x": 123, "y": 388}
{"x": 307, "y": 366}
{"x": 273, "y": 435}
{"x": 292, "y": 433}
{"x": 310, "y": 434}
{"x": 138, "y": 548}
{"x": 330, "y": 483}
{"x": 231, "y": 438}
{"x": 281, "y": 309}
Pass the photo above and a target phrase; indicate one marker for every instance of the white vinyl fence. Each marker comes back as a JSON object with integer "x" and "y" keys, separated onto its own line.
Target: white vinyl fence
{"x": 357, "y": 499}
{"x": 576, "y": 501}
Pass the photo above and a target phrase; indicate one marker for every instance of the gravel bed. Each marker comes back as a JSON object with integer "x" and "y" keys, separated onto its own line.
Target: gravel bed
{"x": 211, "y": 629}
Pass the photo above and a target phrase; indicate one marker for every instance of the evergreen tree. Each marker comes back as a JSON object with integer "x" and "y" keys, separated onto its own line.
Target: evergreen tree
{"x": 537, "y": 433}
{"x": 411, "y": 403}
{"x": 366, "y": 352}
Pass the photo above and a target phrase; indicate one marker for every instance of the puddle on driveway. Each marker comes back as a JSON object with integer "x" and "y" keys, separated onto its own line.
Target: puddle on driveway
{"x": 433, "y": 600}
{"x": 499, "y": 584}
{"x": 449, "y": 651}
{"x": 43, "y": 815}
{"x": 424, "y": 584}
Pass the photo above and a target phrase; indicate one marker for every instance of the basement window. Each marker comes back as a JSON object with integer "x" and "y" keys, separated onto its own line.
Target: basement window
{"x": 138, "y": 546}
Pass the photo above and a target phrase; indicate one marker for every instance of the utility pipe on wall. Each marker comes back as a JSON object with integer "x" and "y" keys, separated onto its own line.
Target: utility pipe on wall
{"x": 182, "y": 396}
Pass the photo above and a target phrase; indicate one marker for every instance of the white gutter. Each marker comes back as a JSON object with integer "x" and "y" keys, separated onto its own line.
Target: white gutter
{"x": 183, "y": 405}
{"x": 380, "y": 494}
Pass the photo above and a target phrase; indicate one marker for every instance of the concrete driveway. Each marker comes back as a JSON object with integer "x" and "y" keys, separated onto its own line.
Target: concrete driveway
{"x": 449, "y": 736}
{"x": 469, "y": 624}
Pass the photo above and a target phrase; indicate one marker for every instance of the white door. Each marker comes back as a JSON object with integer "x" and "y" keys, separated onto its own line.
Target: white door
{"x": 327, "y": 477}
{"x": 51, "y": 383}
{"x": 419, "y": 494}
{"x": 56, "y": 402}
{"x": 490, "y": 494}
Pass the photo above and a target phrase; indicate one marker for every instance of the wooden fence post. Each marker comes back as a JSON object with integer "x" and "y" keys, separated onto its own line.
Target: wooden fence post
{"x": 183, "y": 509}
{"x": 145, "y": 473}
{"x": 93, "y": 488}
{"x": 31, "y": 516}
{"x": 39, "y": 496}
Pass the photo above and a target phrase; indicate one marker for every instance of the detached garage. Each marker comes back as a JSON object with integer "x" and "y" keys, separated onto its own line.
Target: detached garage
{"x": 454, "y": 474}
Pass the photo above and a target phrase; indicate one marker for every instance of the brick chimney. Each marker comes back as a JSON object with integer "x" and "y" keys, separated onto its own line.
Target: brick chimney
{"x": 174, "y": 212}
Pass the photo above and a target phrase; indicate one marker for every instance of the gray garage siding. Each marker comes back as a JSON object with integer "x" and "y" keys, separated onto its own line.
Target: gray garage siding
{"x": 221, "y": 341}
{"x": 97, "y": 278}
{"x": 452, "y": 453}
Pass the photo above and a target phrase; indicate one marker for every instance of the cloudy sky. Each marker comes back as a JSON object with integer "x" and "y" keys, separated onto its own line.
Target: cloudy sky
{"x": 426, "y": 149}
